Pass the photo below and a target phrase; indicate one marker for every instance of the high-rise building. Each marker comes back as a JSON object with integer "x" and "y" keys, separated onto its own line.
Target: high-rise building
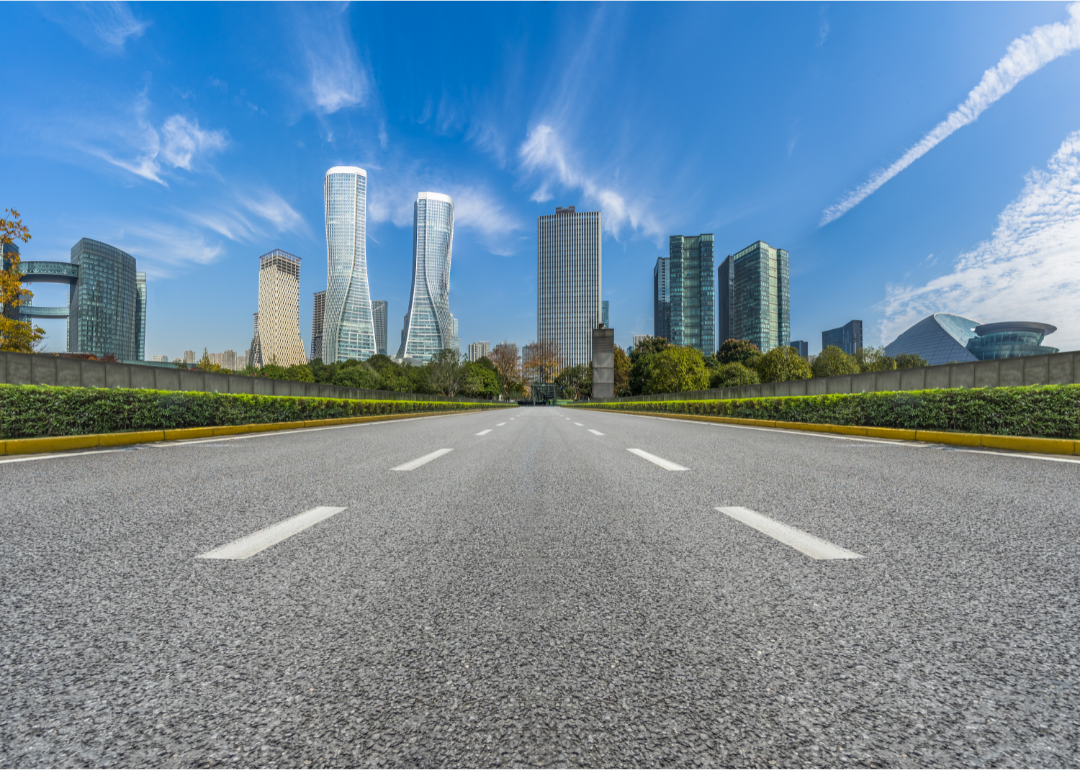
{"x": 161, "y": 359}
{"x": 754, "y": 299}
{"x": 228, "y": 359}
{"x": 661, "y": 299}
{"x": 604, "y": 318}
{"x": 478, "y": 350}
{"x": 640, "y": 338}
{"x": 241, "y": 362}
{"x": 802, "y": 347}
{"x": 189, "y": 356}
{"x": 277, "y": 325}
{"x": 428, "y": 323}
{"x": 104, "y": 306}
{"x": 691, "y": 291}
{"x": 348, "y": 328}
{"x": 569, "y": 267}
{"x": 379, "y": 315}
{"x": 317, "y": 318}
{"x": 848, "y": 337}
{"x": 140, "y": 316}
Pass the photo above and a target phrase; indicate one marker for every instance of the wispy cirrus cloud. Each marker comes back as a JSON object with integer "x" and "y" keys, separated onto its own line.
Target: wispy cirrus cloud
{"x": 104, "y": 26}
{"x": 543, "y": 154}
{"x": 1025, "y": 56}
{"x": 1029, "y": 270}
{"x": 251, "y": 216}
{"x": 335, "y": 78}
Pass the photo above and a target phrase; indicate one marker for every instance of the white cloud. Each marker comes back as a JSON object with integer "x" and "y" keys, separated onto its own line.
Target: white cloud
{"x": 335, "y": 77}
{"x": 184, "y": 140}
{"x": 543, "y": 153}
{"x": 103, "y": 26}
{"x": 1025, "y": 56}
{"x": 160, "y": 247}
{"x": 271, "y": 215}
{"x": 1029, "y": 270}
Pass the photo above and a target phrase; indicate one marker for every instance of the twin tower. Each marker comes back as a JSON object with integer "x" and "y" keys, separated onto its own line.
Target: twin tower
{"x": 348, "y": 328}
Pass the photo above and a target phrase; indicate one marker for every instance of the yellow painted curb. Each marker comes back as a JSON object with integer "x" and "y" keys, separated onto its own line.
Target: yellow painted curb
{"x": 30, "y": 446}
{"x": 178, "y": 434}
{"x": 1059, "y": 446}
{"x": 3, "y": 447}
{"x": 135, "y": 437}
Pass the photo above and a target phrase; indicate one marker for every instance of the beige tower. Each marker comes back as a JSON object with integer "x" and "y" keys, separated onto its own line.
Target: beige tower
{"x": 277, "y": 324}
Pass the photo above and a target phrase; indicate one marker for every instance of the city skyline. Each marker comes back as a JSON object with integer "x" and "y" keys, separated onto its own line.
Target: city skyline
{"x": 176, "y": 148}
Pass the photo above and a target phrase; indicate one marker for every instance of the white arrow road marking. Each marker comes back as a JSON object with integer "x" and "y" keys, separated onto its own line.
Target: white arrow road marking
{"x": 814, "y": 547}
{"x": 247, "y": 547}
{"x": 422, "y": 460}
{"x": 665, "y": 464}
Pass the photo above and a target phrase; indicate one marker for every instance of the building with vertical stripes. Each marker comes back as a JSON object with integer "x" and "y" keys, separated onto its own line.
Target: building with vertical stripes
{"x": 755, "y": 301}
{"x": 277, "y": 324}
{"x": 429, "y": 327}
{"x": 691, "y": 291}
{"x": 569, "y": 266}
{"x": 380, "y": 310}
{"x": 348, "y": 328}
{"x": 662, "y": 298}
{"x": 317, "y": 319}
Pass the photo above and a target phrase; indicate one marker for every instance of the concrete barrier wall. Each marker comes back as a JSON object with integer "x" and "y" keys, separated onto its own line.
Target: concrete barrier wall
{"x": 1054, "y": 369}
{"x": 27, "y": 369}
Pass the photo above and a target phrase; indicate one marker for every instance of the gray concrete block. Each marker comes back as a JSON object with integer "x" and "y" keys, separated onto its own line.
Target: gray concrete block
{"x": 190, "y": 381}
{"x": 816, "y": 386}
{"x": 166, "y": 379}
{"x": 1036, "y": 370}
{"x": 1010, "y": 373}
{"x": 69, "y": 372}
{"x": 986, "y": 374}
{"x": 93, "y": 374}
{"x": 142, "y": 377}
{"x": 912, "y": 379}
{"x": 1060, "y": 367}
{"x": 937, "y": 377}
{"x": 962, "y": 375}
{"x": 888, "y": 380}
{"x": 117, "y": 376}
{"x": 840, "y": 384}
{"x": 43, "y": 370}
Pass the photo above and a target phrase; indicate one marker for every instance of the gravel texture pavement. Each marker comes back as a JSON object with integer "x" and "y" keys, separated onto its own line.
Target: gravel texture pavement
{"x": 540, "y": 596}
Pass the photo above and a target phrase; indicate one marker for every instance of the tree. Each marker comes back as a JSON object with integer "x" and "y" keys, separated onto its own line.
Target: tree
{"x": 507, "y": 364}
{"x": 480, "y": 381}
{"x": 874, "y": 360}
{"x": 740, "y": 351}
{"x": 575, "y": 382}
{"x": 445, "y": 372}
{"x": 733, "y": 375}
{"x": 676, "y": 370}
{"x": 299, "y": 373}
{"x": 910, "y": 361}
{"x": 15, "y": 336}
{"x": 355, "y": 374}
{"x": 622, "y": 372}
{"x": 782, "y": 364}
{"x": 542, "y": 360}
{"x": 204, "y": 364}
{"x": 642, "y": 358}
{"x": 832, "y": 361}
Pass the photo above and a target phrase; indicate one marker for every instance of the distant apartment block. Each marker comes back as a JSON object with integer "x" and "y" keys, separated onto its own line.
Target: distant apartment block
{"x": 691, "y": 290}
{"x": 277, "y": 324}
{"x": 569, "y": 267}
{"x": 640, "y": 338}
{"x": 163, "y": 359}
{"x": 753, "y": 298}
{"x": 478, "y": 350}
{"x": 848, "y": 337}
{"x": 189, "y": 357}
{"x": 380, "y": 310}
{"x": 802, "y": 347}
{"x": 317, "y": 318}
{"x": 661, "y": 299}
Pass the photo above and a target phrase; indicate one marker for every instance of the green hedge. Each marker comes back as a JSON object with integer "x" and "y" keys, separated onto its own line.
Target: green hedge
{"x": 28, "y": 411}
{"x": 1051, "y": 411}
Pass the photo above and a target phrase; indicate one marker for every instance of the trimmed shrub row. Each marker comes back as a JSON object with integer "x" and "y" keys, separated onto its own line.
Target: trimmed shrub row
{"x": 29, "y": 411}
{"x": 1050, "y": 411}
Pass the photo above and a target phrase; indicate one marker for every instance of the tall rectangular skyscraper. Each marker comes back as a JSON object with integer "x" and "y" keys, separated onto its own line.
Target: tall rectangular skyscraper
{"x": 661, "y": 276}
{"x": 379, "y": 311}
{"x": 140, "y": 316}
{"x": 348, "y": 329}
{"x": 317, "y": 319}
{"x": 691, "y": 290}
{"x": 605, "y": 319}
{"x": 569, "y": 265}
{"x": 848, "y": 337}
{"x": 277, "y": 324}
{"x": 754, "y": 298}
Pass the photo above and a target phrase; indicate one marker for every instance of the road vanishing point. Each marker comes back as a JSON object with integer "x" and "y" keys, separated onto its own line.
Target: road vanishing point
{"x": 540, "y": 587}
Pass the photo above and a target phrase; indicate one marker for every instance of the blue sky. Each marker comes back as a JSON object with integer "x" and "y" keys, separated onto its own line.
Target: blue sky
{"x": 911, "y": 157}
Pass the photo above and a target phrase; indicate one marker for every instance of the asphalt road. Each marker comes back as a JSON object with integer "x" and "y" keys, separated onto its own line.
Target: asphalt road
{"x": 540, "y": 596}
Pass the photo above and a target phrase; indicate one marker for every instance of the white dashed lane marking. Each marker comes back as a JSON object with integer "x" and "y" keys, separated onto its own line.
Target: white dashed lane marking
{"x": 665, "y": 464}
{"x": 500, "y": 424}
{"x": 595, "y": 432}
{"x": 247, "y": 547}
{"x": 414, "y": 464}
{"x": 814, "y": 547}
{"x": 579, "y": 424}
{"x": 484, "y": 432}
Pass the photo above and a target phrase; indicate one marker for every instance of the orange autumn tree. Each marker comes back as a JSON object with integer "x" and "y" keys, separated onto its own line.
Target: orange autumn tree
{"x": 15, "y": 335}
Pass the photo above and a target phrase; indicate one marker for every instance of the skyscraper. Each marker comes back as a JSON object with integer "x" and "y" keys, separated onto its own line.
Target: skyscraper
{"x": 569, "y": 267}
{"x": 140, "y": 316}
{"x": 802, "y": 347}
{"x": 348, "y": 328}
{"x": 379, "y": 312}
{"x": 755, "y": 302}
{"x": 106, "y": 310}
{"x": 478, "y": 350}
{"x": 662, "y": 298}
{"x": 691, "y": 291}
{"x": 428, "y": 324}
{"x": 317, "y": 320}
{"x": 848, "y": 337}
{"x": 277, "y": 324}
{"x": 604, "y": 318}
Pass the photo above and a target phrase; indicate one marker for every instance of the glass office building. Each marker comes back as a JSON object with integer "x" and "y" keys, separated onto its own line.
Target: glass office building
{"x": 691, "y": 291}
{"x": 943, "y": 338}
{"x": 569, "y": 266}
{"x": 106, "y": 309}
{"x": 317, "y": 319}
{"x": 428, "y": 324}
{"x": 755, "y": 299}
{"x": 661, "y": 278}
{"x": 380, "y": 310}
{"x": 1010, "y": 339}
{"x": 848, "y": 337}
{"x": 348, "y": 328}
{"x": 802, "y": 347}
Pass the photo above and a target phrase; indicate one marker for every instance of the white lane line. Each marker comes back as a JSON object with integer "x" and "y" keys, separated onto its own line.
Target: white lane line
{"x": 422, "y": 460}
{"x": 579, "y": 424}
{"x": 665, "y": 464}
{"x": 248, "y": 546}
{"x": 567, "y": 419}
{"x": 500, "y": 424}
{"x": 595, "y": 432}
{"x": 484, "y": 432}
{"x": 814, "y": 547}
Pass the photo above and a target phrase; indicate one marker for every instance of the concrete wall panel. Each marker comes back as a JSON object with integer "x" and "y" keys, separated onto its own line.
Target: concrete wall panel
{"x": 1061, "y": 369}
{"x": 167, "y": 379}
{"x": 117, "y": 376}
{"x": 1036, "y": 370}
{"x": 937, "y": 377}
{"x": 986, "y": 374}
{"x": 962, "y": 375}
{"x": 68, "y": 372}
{"x": 142, "y": 377}
{"x": 912, "y": 379}
{"x": 840, "y": 384}
{"x": 1010, "y": 372}
{"x": 43, "y": 370}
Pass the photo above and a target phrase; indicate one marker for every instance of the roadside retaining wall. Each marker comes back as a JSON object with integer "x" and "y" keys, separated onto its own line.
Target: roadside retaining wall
{"x": 29, "y": 369}
{"x": 1053, "y": 369}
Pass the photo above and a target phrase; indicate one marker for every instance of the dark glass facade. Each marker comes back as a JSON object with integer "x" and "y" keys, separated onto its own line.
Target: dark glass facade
{"x": 754, "y": 286}
{"x": 848, "y": 337}
{"x": 692, "y": 293}
{"x": 662, "y": 298}
{"x": 107, "y": 311}
{"x": 802, "y": 347}
{"x": 1010, "y": 340}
